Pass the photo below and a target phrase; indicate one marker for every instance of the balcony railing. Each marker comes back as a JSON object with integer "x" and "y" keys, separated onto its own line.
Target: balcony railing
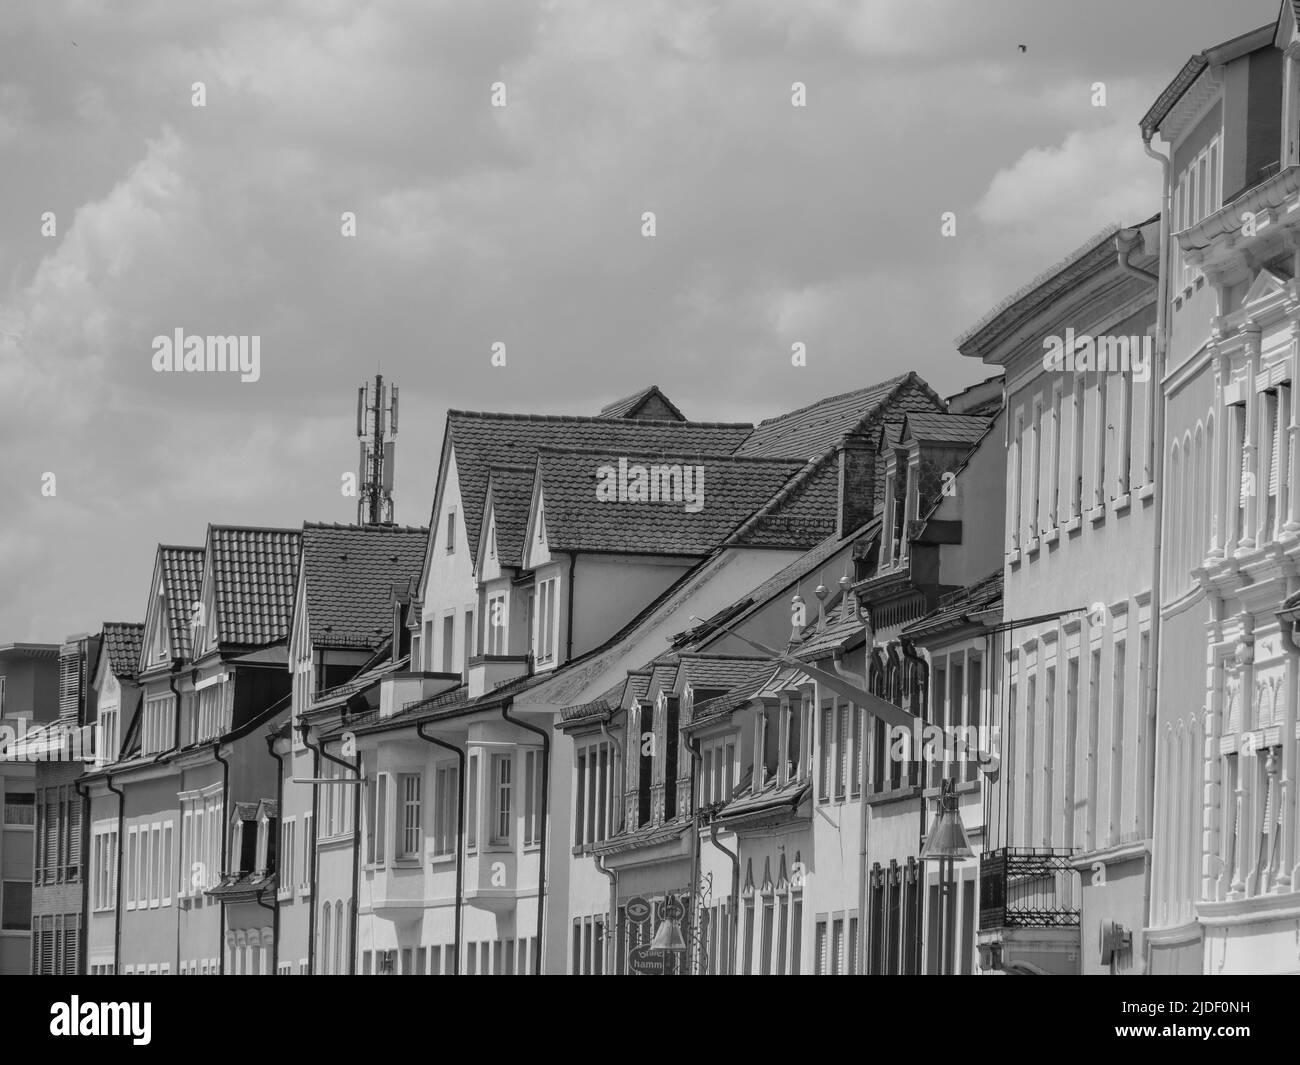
{"x": 1028, "y": 888}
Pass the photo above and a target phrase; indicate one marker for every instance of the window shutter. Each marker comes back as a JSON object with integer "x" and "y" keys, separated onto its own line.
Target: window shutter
{"x": 1275, "y": 409}
{"x": 1245, "y": 469}
{"x": 47, "y": 947}
{"x": 69, "y": 682}
{"x": 74, "y": 835}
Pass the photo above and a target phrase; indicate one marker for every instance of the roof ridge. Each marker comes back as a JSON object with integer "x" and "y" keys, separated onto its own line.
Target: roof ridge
{"x": 595, "y": 420}
{"x": 723, "y": 456}
{"x": 888, "y": 382}
{"x": 213, "y": 526}
{"x": 376, "y": 528}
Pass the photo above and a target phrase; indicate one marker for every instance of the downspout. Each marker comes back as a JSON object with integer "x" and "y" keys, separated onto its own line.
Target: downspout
{"x": 356, "y": 850}
{"x": 918, "y": 663}
{"x": 1157, "y": 459}
{"x": 734, "y": 916}
{"x": 1287, "y": 876}
{"x": 279, "y": 860}
{"x": 225, "y": 844}
{"x": 274, "y": 907}
{"x": 864, "y": 834}
{"x": 121, "y": 838}
{"x": 692, "y": 747}
{"x": 573, "y": 572}
{"x": 459, "y": 752}
{"x": 612, "y": 941}
{"x": 83, "y": 946}
{"x": 542, "y": 806}
{"x": 303, "y": 729}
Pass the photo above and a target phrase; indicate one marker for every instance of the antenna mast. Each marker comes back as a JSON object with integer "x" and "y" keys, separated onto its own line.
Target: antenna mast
{"x": 376, "y": 420}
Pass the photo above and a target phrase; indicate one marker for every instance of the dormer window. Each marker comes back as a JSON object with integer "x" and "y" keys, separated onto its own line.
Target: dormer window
{"x": 547, "y": 608}
{"x": 267, "y": 837}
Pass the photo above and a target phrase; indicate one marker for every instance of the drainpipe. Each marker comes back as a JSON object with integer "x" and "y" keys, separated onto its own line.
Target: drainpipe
{"x": 735, "y": 897}
{"x": 303, "y": 730}
{"x": 573, "y": 572}
{"x": 459, "y": 752}
{"x": 1287, "y": 876}
{"x": 274, "y": 907}
{"x": 225, "y": 843}
{"x": 279, "y": 861}
{"x": 83, "y": 946}
{"x": 176, "y": 695}
{"x": 1157, "y": 456}
{"x": 918, "y": 663}
{"x": 611, "y": 942}
{"x": 356, "y": 849}
{"x": 692, "y": 748}
{"x": 121, "y": 837}
{"x": 1124, "y": 242}
{"x": 542, "y": 806}
{"x": 837, "y": 664}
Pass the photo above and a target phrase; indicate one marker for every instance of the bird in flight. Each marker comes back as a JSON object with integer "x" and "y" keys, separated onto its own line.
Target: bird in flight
{"x": 1024, "y": 47}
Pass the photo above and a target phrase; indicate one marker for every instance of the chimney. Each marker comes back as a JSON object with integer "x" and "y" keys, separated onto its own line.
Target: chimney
{"x": 857, "y": 482}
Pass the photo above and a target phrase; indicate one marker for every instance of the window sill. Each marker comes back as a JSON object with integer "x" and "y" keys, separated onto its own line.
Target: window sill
{"x": 1051, "y": 536}
{"x": 1147, "y": 492}
{"x": 1013, "y": 556}
{"x": 1120, "y": 504}
{"x": 442, "y": 859}
{"x": 533, "y": 848}
{"x": 1097, "y": 514}
{"x": 1032, "y": 547}
{"x": 304, "y": 891}
{"x": 406, "y": 861}
{"x": 284, "y": 896}
{"x": 1073, "y": 525}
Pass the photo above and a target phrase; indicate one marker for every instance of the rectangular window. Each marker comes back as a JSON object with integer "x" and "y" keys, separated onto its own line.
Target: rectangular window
{"x": 496, "y": 625}
{"x": 825, "y": 749}
{"x": 308, "y": 849}
{"x": 1099, "y": 444}
{"x": 1054, "y": 459}
{"x": 765, "y": 955}
{"x": 1076, "y": 456}
{"x": 471, "y": 820}
{"x": 17, "y": 910}
{"x": 1117, "y": 741}
{"x": 1094, "y": 712}
{"x": 409, "y": 788}
{"x": 502, "y": 780}
{"x": 450, "y": 535}
{"x": 749, "y": 937}
{"x": 819, "y": 957}
{"x": 546, "y": 618}
{"x": 449, "y": 643}
{"x": 469, "y": 636}
{"x": 379, "y": 820}
{"x": 20, "y": 808}
{"x": 446, "y": 809}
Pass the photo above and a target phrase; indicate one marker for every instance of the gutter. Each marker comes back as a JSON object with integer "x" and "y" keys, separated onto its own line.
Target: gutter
{"x": 356, "y": 849}
{"x": 279, "y": 860}
{"x": 692, "y": 747}
{"x": 225, "y": 844}
{"x": 459, "y": 752}
{"x": 121, "y": 838}
{"x": 303, "y": 729}
{"x": 543, "y": 806}
{"x": 1157, "y": 452}
{"x": 734, "y": 916}
{"x": 910, "y": 653}
{"x": 612, "y": 940}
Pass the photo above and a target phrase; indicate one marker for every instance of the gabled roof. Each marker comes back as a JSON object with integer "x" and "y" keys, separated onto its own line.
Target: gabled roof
{"x": 349, "y": 571}
{"x": 512, "y": 491}
{"x": 629, "y": 406}
{"x": 577, "y": 518}
{"x": 481, "y": 440}
{"x": 254, "y": 576}
{"x": 814, "y": 430}
{"x": 182, "y": 574}
{"x": 122, "y": 646}
{"x": 719, "y": 706}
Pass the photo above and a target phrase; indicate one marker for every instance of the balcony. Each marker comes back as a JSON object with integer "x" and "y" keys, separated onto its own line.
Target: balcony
{"x": 1027, "y": 887}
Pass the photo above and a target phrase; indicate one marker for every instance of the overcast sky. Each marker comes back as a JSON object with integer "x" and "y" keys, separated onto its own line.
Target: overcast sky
{"x": 520, "y": 224}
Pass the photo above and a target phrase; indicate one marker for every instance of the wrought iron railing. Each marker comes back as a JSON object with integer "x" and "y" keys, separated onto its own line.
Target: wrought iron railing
{"x": 1028, "y": 887}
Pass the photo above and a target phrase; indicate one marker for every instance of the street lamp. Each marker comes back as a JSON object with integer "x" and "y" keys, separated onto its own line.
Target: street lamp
{"x": 668, "y": 936}
{"x": 946, "y": 842}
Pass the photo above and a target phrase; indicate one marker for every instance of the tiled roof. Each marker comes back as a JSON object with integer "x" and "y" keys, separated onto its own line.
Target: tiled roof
{"x": 349, "y": 574}
{"x": 481, "y": 440}
{"x": 122, "y": 645}
{"x": 576, "y": 519}
{"x": 829, "y": 637}
{"x": 598, "y": 707}
{"x": 814, "y": 430}
{"x": 628, "y": 406}
{"x": 639, "y": 680}
{"x": 662, "y": 673}
{"x": 711, "y": 709}
{"x": 182, "y": 572}
{"x": 709, "y": 672}
{"x": 929, "y": 426}
{"x": 512, "y": 492}
{"x": 255, "y": 576}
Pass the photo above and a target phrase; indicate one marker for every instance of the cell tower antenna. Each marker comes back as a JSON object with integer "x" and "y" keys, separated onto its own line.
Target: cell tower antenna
{"x": 376, "y": 427}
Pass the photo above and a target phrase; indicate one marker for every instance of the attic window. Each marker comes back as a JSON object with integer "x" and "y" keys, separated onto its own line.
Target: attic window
{"x": 451, "y": 531}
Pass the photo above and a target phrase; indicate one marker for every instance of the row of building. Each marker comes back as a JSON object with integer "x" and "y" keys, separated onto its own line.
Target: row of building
{"x": 658, "y": 696}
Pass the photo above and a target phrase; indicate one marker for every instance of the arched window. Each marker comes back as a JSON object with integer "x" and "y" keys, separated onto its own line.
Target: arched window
{"x": 340, "y": 934}
{"x": 325, "y": 937}
{"x": 1176, "y": 533}
{"x": 1199, "y": 496}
